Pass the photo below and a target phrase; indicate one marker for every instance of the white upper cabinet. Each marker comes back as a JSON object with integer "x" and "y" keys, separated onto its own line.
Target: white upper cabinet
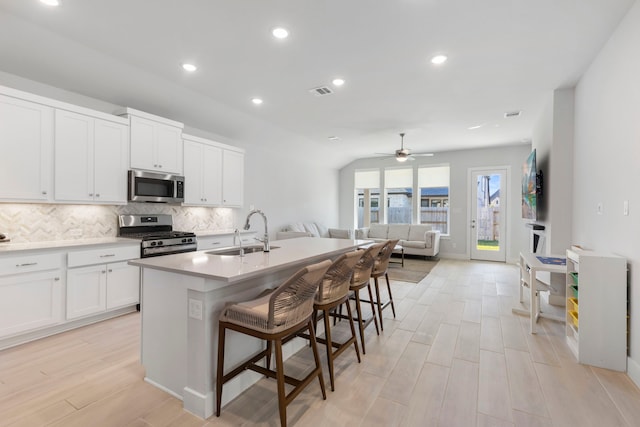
{"x": 91, "y": 158}
{"x": 156, "y": 143}
{"x": 232, "y": 178}
{"x": 202, "y": 174}
{"x": 26, "y": 141}
{"x": 214, "y": 173}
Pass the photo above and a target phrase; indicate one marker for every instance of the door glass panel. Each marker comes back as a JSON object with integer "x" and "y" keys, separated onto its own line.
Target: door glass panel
{"x": 489, "y": 214}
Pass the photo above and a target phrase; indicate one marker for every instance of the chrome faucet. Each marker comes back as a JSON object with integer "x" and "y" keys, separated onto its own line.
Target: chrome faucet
{"x": 236, "y": 233}
{"x": 265, "y": 240}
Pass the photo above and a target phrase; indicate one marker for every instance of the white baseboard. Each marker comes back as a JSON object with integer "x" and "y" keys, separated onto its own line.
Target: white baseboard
{"x": 633, "y": 370}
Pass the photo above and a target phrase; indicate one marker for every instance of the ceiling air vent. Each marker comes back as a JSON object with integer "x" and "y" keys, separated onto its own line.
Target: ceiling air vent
{"x": 510, "y": 114}
{"x": 321, "y": 91}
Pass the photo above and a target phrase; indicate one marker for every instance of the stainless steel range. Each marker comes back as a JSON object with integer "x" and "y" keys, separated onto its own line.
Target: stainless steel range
{"x": 157, "y": 235}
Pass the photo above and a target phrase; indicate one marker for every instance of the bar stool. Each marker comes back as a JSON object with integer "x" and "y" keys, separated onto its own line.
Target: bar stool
{"x": 333, "y": 292}
{"x": 360, "y": 280}
{"x": 274, "y": 317}
{"x": 380, "y": 267}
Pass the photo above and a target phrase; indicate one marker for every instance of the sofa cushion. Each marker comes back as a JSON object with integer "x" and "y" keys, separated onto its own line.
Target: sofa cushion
{"x": 336, "y": 233}
{"x": 419, "y": 244}
{"x": 398, "y": 231}
{"x": 378, "y": 231}
{"x": 296, "y": 226}
{"x": 312, "y": 228}
{"x": 419, "y": 231}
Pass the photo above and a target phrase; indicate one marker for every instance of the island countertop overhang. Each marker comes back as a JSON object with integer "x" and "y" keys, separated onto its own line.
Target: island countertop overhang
{"x": 231, "y": 269}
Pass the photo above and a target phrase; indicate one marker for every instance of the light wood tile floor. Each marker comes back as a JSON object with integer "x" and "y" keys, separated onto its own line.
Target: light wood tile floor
{"x": 454, "y": 356}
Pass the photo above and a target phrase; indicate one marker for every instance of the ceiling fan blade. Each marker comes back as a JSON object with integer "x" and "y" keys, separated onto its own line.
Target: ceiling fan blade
{"x": 422, "y": 154}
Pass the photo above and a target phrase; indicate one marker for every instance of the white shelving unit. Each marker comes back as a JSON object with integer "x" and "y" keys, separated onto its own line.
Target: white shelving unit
{"x": 596, "y": 328}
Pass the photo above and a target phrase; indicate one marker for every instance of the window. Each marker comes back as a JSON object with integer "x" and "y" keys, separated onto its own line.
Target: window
{"x": 367, "y": 188}
{"x": 398, "y": 188}
{"x": 433, "y": 184}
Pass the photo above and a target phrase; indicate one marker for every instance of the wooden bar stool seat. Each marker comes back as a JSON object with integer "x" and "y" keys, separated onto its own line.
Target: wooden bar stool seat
{"x": 274, "y": 317}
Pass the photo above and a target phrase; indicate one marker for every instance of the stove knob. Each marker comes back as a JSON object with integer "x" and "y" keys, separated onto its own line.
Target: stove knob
{"x": 184, "y": 240}
{"x": 190, "y": 240}
{"x": 153, "y": 243}
{"x": 160, "y": 243}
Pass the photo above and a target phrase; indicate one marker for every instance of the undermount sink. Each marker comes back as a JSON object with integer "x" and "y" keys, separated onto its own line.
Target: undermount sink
{"x": 235, "y": 251}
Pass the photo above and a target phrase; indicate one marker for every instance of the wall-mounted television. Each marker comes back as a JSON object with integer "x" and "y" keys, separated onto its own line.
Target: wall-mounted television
{"x": 531, "y": 188}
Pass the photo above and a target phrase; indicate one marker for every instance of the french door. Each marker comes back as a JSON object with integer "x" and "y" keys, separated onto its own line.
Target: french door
{"x": 488, "y": 214}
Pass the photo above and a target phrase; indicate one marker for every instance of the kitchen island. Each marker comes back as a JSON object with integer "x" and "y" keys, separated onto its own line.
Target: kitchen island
{"x": 182, "y": 296}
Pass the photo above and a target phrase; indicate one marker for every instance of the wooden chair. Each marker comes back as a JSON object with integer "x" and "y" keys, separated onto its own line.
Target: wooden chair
{"x": 273, "y": 317}
{"x": 333, "y": 292}
{"x": 380, "y": 267}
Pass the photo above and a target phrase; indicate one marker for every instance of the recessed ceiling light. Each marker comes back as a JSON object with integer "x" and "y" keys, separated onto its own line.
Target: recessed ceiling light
{"x": 334, "y": 138}
{"x": 280, "y": 33}
{"x": 189, "y": 67}
{"x": 256, "y": 101}
{"x": 338, "y": 82}
{"x": 439, "y": 59}
{"x": 475, "y": 127}
{"x": 51, "y": 2}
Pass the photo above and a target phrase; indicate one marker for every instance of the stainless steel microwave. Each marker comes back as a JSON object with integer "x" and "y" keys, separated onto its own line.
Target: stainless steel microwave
{"x": 155, "y": 187}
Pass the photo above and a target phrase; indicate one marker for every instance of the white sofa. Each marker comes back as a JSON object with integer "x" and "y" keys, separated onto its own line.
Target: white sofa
{"x": 314, "y": 229}
{"x": 415, "y": 239}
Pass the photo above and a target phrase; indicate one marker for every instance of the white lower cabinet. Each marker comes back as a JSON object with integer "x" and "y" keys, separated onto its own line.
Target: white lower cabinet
{"x": 224, "y": 240}
{"x": 86, "y": 291}
{"x": 123, "y": 285}
{"x": 95, "y": 286}
{"x": 31, "y": 289}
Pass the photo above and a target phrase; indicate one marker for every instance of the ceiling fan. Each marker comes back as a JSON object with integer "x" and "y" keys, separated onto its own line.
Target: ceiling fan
{"x": 404, "y": 154}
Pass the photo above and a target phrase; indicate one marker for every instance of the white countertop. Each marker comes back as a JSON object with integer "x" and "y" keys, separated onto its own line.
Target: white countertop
{"x": 9, "y": 247}
{"x": 283, "y": 254}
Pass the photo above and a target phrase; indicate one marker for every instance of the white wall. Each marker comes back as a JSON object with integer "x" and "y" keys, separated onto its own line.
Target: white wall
{"x": 553, "y": 141}
{"x": 607, "y": 160}
{"x": 457, "y": 244}
{"x": 289, "y": 189}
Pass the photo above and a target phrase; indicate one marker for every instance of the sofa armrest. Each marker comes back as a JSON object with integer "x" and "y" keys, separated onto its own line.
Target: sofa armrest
{"x": 282, "y": 235}
{"x": 362, "y": 233}
{"x": 340, "y": 233}
{"x": 433, "y": 240}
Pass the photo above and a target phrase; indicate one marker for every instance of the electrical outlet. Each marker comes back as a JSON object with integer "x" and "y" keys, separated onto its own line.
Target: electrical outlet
{"x": 195, "y": 309}
{"x": 599, "y": 209}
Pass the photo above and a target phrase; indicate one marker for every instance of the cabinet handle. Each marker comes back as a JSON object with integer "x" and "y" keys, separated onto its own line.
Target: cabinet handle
{"x": 110, "y": 270}
{"x": 155, "y": 166}
{"x": 44, "y": 193}
{"x": 57, "y": 279}
{"x": 97, "y": 195}
{"x": 107, "y": 255}
{"x": 27, "y": 264}
{"x": 90, "y": 194}
{"x": 104, "y": 272}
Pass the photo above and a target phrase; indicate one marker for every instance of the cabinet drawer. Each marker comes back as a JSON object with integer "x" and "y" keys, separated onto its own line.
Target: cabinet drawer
{"x": 29, "y": 263}
{"x": 103, "y": 255}
{"x": 214, "y": 242}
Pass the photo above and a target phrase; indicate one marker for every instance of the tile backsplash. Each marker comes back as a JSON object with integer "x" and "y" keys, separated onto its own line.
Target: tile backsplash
{"x": 47, "y": 222}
